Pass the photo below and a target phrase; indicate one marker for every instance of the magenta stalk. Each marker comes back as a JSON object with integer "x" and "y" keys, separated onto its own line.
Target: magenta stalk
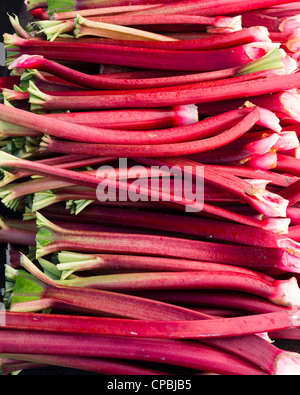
{"x": 260, "y": 199}
{"x": 211, "y": 60}
{"x": 203, "y": 227}
{"x": 153, "y": 310}
{"x": 195, "y": 356}
{"x": 97, "y": 365}
{"x": 212, "y": 328}
{"x": 292, "y": 193}
{"x": 172, "y": 149}
{"x": 197, "y": 93}
{"x": 135, "y": 119}
{"x": 264, "y": 286}
{"x": 288, "y": 164}
{"x": 76, "y": 101}
{"x": 207, "y": 8}
{"x": 240, "y": 301}
{"x": 271, "y": 61}
{"x": 63, "y": 129}
{"x": 294, "y": 232}
{"x": 101, "y": 242}
{"x": 274, "y": 178}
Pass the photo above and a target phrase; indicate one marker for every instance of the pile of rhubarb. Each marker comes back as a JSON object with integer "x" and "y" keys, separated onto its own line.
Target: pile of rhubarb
{"x": 107, "y": 270}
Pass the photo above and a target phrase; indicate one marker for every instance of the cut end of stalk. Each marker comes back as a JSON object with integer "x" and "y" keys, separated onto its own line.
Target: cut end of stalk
{"x": 287, "y": 364}
{"x": 53, "y": 29}
{"x": 268, "y": 203}
{"x": 5, "y": 157}
{"x": 186, "y": 115}
{"x": 268, "y": 119}
{"x": 76, "y": 206}
{"x": 270, "y": 61}
{"x": 14, "y": 20}
{"x": 12, "y": 204}
{"x": 42, "y": 199}
{"x": 12, "y": 41}
{"x": 258, "y": 50}
{"x": 44, "y": 223}
{"x": 293, "y": 254}
{"x": 288, "y": 141}
{"x": 26, "y": 62}
{"x": 263, "y": 162}
{"x": 45, "y": 141}
{"x": 36, "y": 97}
{"x": 27, "y": 288}
{"x": 288, "y": 293}
{"x": 290, "y": 102}
{"x": 277, "y": 225}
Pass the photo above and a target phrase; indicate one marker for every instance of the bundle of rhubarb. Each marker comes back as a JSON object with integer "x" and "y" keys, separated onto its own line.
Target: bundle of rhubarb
{"x": 150, "y": 158}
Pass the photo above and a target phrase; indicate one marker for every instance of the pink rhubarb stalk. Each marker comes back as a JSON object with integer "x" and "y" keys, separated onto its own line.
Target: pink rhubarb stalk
{"x": 135, "y": 119}
{"x": 93, "y": 100}
{"x": 87, "y": 134}
{"x": 197, "y": 93}
{"x": 172, "y": 149}
{"x": 284, "y": 104}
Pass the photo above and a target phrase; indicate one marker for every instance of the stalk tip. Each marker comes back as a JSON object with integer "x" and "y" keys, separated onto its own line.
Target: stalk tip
{"x": 288, "y": 293}
{"x": 287, "y": 364}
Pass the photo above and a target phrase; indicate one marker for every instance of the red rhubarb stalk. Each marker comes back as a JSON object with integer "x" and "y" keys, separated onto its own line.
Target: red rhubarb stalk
{"x": 240, "y": 301}
{"x": 83, "y": 262}
{"x": 199, "y": 60}
{"x": 288, "y": 164}
{"x": 203, "y": 227}
{"x": 91, "y": 4}
{"x": 195, "y": 356}
{"x": 105, "y": 82}
{"x": 235, "y": 346}
{"x": 257, "y": 284}
{"x": 264, "y": 201}
{"x": 93, "y": 100}
{"x": 87, "y": 134}
{"x": 218, "y": 328}
{"x": 197, "y": 93}
{"x": 135, "y": 119}
{"x": 208, "y": 42}
{"x": 92, "y": 12}
{"x": 221, "y": 7}
{"x": 56, "y": 239}
{"x": 292, "y": 193}
{"x": 245, "y": 172}
{"x": 97, "y": 365}
{"x": 172, "y": 149}
{"x": 294, "y": 232}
